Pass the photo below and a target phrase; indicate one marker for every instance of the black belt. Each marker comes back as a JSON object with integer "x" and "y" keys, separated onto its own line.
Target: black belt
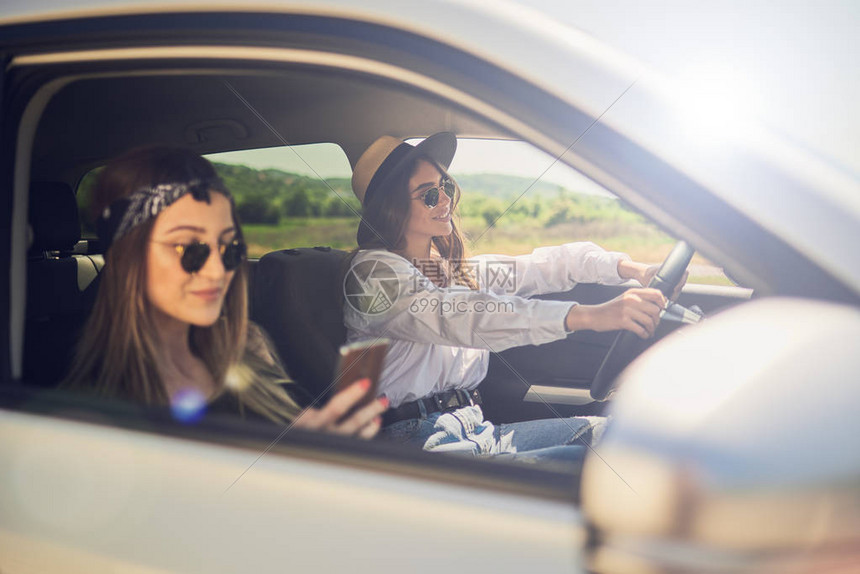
{"x": 440, "y": 402}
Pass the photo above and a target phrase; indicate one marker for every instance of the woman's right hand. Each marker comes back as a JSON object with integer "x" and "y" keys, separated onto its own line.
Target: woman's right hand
{"x": 364, "y": 423}
{"x": 635, "y": 310}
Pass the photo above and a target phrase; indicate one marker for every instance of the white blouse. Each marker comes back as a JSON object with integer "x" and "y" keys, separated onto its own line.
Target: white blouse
{"x": 441, "y": 337}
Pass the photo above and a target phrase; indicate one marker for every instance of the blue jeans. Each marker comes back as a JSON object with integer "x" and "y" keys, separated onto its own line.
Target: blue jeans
{"x": 465, "y": 431}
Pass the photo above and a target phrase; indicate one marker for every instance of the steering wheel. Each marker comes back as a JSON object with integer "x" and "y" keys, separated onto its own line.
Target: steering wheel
{"x": 627, "y": 344}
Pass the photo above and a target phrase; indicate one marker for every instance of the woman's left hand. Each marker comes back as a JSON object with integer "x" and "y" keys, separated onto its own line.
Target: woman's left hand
{"x": 644, "y": 273}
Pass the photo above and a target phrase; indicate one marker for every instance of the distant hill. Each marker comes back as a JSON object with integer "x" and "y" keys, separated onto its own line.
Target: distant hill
{"x": 276, "y": 185}
{"x": 268, "y": 196}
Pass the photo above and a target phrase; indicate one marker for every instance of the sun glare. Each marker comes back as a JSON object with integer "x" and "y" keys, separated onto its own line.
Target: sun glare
{"x": 716, "y": 100}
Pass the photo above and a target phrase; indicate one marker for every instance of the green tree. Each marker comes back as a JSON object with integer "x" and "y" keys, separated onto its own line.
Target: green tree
{"x": 255, "y": 208}
{"x": 298, "y": 204}
{"x": 490, "y": 214}
{"x": 342, "y": 206}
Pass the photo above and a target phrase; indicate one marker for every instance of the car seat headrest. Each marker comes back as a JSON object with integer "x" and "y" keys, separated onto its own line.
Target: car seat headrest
{"x": 54, "y": 216}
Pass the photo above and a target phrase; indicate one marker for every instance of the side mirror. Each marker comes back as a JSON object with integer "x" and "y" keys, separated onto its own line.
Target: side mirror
{"x": 734, "y": 442}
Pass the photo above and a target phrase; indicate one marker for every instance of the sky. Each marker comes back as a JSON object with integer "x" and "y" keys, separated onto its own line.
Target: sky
{"x": 793, "y": 65}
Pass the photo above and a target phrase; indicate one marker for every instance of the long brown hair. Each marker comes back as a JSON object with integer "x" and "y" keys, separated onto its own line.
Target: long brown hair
{"x": 387, "y": 215}
{"x": 118, "y": 354}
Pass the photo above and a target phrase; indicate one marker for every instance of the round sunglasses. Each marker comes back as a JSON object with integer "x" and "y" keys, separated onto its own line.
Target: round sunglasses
{"x": 193, "y": 256}
{"x": 431, "y": 196}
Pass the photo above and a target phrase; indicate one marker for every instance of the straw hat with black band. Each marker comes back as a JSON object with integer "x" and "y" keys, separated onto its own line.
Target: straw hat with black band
{"x": 383, "y": 160}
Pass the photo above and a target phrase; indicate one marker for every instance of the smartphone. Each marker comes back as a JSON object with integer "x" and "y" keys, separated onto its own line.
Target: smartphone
{"x": 361, "y": 360}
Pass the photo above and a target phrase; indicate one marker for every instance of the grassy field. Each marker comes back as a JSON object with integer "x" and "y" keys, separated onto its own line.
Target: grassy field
{"x": 641, "y": 241}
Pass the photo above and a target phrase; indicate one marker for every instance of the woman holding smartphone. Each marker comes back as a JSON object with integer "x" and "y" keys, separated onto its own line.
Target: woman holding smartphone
{"x": 170, "y": 323}
{"x": 444, "y": 316}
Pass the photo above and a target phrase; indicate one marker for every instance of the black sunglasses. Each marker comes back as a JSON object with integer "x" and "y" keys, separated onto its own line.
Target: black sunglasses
{"x": 431, "y": 196}
{"x": 193, "y": 256}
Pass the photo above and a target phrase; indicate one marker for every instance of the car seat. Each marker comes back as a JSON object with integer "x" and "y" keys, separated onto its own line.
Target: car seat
{"x": 61, "y": 284}
{"x": 296, "y": 296}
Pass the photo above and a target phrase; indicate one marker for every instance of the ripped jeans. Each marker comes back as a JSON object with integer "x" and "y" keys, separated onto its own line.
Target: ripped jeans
{"x": 465, "y": 431}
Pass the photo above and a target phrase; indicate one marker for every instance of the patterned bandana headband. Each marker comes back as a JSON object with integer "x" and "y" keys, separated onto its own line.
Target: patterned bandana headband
{"x": 126, "y": 213}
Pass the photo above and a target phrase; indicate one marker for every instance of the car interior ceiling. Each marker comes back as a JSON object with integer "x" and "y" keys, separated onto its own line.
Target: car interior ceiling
{"x": 218, "y": 112}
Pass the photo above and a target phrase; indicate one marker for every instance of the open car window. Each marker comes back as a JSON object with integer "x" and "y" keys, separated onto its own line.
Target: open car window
{"x": 287, "y": 197}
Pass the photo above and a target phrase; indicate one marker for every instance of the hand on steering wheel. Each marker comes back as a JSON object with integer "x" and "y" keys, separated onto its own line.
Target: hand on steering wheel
{"x": 671, "y": 274}
{"x": 635, "y": 310}
{"x": 644, "y": 274}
